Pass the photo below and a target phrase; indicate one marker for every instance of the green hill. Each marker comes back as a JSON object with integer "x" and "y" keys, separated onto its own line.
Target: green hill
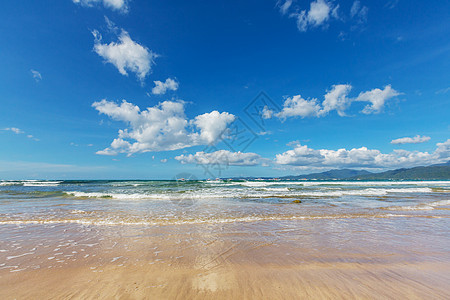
{"x": 433, "y": 172}
{"x": 332, "y": 174}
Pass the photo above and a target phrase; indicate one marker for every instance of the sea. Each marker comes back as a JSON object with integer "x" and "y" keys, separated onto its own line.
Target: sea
{"x": 166, "y": 202}
{"x": 224, "y": 239}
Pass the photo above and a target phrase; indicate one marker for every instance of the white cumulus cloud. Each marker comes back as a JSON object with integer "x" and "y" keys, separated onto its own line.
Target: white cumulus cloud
{"x": 303, "y": 156}
{"x": 411, "y": 140}
{"x": 161, "y": 127}
{"x": 377, "y": 98}
{"x": 119, "y": 5}
{"x": 125, "y": 54}
{"x": 296, "y": 106}
{"x": 162, "y": 87}
{"x": 221, "y": 157}
{"x": 335, "y": 99}
{"x": 211, "y": 125}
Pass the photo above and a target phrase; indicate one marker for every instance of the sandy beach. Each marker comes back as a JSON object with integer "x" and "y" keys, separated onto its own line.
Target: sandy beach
{"x": 309, "y": 259}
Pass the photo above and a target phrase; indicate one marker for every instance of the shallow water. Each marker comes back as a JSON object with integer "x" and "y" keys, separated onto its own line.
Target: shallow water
{"x": 203, "y": 239}
{"x": 178, "y": 202}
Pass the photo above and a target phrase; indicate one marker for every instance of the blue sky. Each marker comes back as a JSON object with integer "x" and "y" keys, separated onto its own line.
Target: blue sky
{"x": 349, "y": 84}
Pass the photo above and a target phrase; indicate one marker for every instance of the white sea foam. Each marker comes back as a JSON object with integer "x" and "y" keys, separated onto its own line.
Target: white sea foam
{"x": 340, "y": 183}
{"x": 376, "y": 183}
{"x": 265, "y": 192}
{"x": 8, "y": 183}
{"x": 281, "y": 189}
{"x": 256, "y": 183}
{"x": 29, "y": 183}
{"x": 42, "y": 183}
{"x": 246, "y": 219}
{"x": 441, "y": 203}
{"x": 421, "y": 206}
{"x": 217, "y": 181}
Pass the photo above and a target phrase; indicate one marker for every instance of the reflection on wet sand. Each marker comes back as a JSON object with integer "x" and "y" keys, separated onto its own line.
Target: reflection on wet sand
{"x": 322, "y": 258}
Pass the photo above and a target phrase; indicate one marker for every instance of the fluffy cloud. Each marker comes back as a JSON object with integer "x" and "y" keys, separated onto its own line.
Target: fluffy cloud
{"x": 319, "y": 13}
{"x": 119, "y": 5}
{"x": 411, "y": 140}
{"x": 266, "y": 113}
{"x": 303, "y": 156}
{"x": 296, "y": 106}
{"x": 126, "y": 54}
{"x": 36, "y": 75}
{"x": 162, "y": 87}
{"x": 377, "y": 98}
{"x": 161, "y": 128}
{"x": 335, "y": 99}
{"x": 221, "y": 157}
{"x": 212, "y": 125}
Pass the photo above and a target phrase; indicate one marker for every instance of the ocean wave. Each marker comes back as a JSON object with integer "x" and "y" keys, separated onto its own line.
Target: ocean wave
{"x": 340, "y": 183}
{"x": 376, "y": 183}
{"x": 217, "y": 181}
{"x": 275, "y": 189}
{"x": 42, "y": 183}
{"x": 282, "y": 192}
{"x": 29, "y": 183}
{"x": 245, "y": 219}
{"x": 144, "y": 196}
{"x": 420, "y": 206}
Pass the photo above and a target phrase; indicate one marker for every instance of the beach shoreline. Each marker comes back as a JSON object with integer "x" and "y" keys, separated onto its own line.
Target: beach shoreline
{"x": 312, "y": 259}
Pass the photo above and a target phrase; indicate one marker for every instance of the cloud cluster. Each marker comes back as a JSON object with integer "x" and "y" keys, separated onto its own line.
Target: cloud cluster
{"x": 161, "y": 127}
{"x": 411, "y": 140}
{"x": 359, "y": 12}
{"x": 119, "y": 5}
{"x": 221, "y": 157}
{"x": 14, "y": 129}
{"x": 335, "y": 99}
{"x": 303, "y": 156}
{"x": 318, "y": 14}
{"x": 19, "y": 131}
{"x": 321, "y": 12}
{"x": 125, "y": 54}
{"x": 162, "y": 87}
{"x": 377, "y": 98}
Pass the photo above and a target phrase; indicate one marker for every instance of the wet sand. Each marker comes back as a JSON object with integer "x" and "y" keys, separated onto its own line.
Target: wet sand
{"x": 403, "y": 258}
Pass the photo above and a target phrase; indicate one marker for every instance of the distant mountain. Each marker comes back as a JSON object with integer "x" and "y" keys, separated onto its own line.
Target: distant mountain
{"x": 332, "y": 174}
{"x": 433, "y": 172}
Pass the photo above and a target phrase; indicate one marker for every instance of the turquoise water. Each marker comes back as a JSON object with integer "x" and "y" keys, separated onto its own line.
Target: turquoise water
{"x": 179, "y": 202}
